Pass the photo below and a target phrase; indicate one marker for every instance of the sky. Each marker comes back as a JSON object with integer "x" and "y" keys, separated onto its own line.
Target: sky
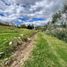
{"x": 25, "y": 10}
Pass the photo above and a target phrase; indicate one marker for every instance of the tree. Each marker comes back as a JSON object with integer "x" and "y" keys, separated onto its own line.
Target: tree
{"x": 30, "y": 26}
{"x": 65, "y": 9}
{"x": 56, "y": 16}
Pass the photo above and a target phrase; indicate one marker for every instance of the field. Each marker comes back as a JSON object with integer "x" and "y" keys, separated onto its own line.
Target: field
{"x": 49, "y": 52}
{"x": 7, "y": 35}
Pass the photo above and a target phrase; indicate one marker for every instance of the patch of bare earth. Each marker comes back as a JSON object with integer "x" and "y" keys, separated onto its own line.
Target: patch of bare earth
{"x": 22, "y": 54}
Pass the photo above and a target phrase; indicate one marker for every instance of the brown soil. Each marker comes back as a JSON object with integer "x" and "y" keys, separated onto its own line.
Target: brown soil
{"x": 22, "y": 54}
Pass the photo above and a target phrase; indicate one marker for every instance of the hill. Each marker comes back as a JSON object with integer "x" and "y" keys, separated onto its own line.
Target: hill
{"x": 30, "y": 48}
{"x": 49, "y": 52}
{"x": 11, "y": 38}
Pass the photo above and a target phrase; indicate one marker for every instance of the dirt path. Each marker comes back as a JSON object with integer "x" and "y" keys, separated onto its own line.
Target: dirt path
{"x": 22, "y": 53}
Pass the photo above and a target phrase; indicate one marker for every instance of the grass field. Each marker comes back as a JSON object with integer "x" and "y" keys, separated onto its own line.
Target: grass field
{"x": 49, "y": 52}
{"x": 7, "y": 34}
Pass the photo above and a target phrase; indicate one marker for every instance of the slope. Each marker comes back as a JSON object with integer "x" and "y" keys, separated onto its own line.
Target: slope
{"x": 11, "y": 38}
{"x": 49, "y": 52}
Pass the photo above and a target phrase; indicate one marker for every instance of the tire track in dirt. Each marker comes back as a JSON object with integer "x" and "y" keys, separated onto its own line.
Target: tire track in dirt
{"x": 23, "y": 53}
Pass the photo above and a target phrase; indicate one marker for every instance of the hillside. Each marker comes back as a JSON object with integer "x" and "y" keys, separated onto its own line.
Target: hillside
{"x": 11, "y": 38}
{"x": 49, "y": 52}
{"x": 33, "y": 33}
{"x": 29, "y": 48}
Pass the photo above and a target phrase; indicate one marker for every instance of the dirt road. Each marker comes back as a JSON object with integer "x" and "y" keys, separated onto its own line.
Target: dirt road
{"x": 22, "y": 53}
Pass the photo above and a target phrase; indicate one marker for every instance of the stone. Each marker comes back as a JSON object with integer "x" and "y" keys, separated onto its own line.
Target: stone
{"x": 29, "y": 39}
{"x": 10, "y": 43}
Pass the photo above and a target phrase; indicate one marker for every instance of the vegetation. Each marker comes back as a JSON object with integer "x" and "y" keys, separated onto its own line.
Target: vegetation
{"x": 27, "y": 26}
{"x": 58, "y": 26}
{"x": 56, "y": 16}
{"x": 51, "y": 42}
{"x": 60, "y": 33}
{"x": 49, "y": 52}
{"x": 11, "y": 34}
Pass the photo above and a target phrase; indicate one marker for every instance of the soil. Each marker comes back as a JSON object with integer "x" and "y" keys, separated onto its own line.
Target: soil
{"x": 22, "y": 54}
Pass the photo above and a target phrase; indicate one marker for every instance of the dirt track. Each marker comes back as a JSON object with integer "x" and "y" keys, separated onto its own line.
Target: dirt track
{"x": 22, "y": 53}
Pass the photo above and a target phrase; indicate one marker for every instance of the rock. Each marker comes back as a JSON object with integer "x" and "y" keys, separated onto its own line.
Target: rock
{"x": 10, "y": 43}
{"x": 29, "y": 39}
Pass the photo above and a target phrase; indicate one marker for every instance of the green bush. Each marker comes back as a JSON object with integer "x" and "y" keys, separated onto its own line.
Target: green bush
{"x": 59, "y": 33}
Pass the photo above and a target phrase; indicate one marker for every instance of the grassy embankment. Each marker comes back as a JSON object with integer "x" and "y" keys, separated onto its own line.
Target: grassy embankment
{"x": 49, "y": 52}
{"x": 9, "y": 34}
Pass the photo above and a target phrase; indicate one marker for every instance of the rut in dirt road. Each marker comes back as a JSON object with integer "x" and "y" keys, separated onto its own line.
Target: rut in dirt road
{"x": 23, "y": 53}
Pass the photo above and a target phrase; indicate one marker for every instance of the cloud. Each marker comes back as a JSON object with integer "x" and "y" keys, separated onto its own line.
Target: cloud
{"x": 11, "y": 10}
{"x": 47, "y": 7}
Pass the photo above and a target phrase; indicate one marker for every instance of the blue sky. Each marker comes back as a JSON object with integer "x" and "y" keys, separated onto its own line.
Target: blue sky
{"x": 39, "y": 10}
{"x": 2, "y": 14}
{"x": 27, "y": 19}
{"x": 37, "y": 19}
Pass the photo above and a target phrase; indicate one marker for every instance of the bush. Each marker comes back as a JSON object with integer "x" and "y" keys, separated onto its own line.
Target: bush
{"x": 30, "y": 27}
{"x": 59, "y": 33}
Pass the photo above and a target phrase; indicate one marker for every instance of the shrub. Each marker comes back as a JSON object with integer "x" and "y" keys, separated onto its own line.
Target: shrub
{"x": 59, "y": 33}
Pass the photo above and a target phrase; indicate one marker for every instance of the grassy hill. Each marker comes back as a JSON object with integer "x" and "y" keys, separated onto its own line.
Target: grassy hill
{"x": 9, "y": 35}
{"x": 49, "y": 52}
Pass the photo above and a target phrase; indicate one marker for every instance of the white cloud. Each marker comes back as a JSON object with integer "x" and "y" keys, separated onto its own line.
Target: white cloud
{"x": 31, "y": 8}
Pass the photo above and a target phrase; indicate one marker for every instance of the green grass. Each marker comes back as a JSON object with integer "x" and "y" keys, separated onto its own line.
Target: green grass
{"x": 49, "y": 52}
{"x": 7, "y": 34}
